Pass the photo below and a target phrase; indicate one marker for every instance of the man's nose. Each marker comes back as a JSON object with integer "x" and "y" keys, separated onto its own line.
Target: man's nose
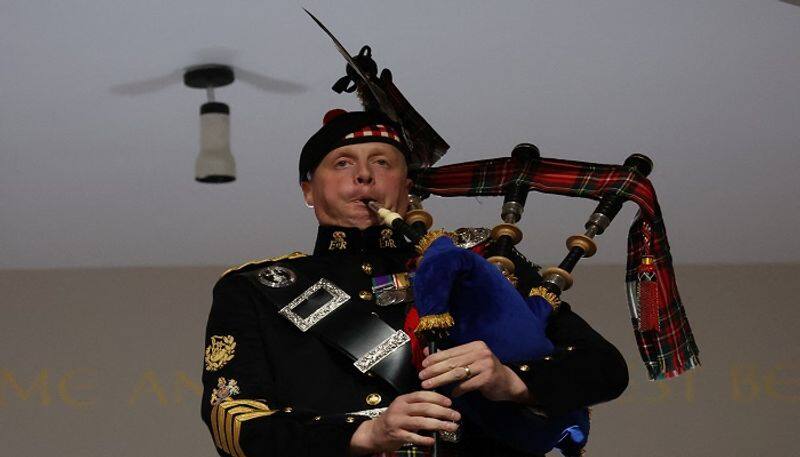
{"x": 364, "y": 174}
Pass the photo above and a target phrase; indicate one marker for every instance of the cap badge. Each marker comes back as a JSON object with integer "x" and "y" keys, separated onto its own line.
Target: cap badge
{"x": 338, "y": 242}
{"x": 386, "y": 240}
{"x": 276, "y": 276}
{"x": 219, "y": 352}
{"x": 225, "y": 390}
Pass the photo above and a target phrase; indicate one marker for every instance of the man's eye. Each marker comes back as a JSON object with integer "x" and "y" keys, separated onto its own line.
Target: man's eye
{"x": 340, "y": 163}
{"x": 382, "y": 162}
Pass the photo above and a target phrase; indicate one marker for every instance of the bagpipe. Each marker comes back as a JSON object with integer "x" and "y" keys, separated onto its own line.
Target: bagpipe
{"x": 461, "y": 296}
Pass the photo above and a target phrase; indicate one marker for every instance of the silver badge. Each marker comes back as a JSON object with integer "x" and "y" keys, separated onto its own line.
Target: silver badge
{"x": 381, "y": 351}
{"x": 276, "y": 276}
{"x": 469, "y": 237}
{"x": 322, "y": 291}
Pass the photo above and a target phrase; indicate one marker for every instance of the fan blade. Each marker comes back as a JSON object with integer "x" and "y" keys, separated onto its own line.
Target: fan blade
{"x": 147, "y": 86}
{"x": 268, "y": 83}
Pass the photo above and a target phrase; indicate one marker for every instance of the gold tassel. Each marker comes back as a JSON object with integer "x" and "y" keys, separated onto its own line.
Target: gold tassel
{"x": 551, "y": 298}
{"x": 435, "y": 322}
{"x": 428, "y": 239}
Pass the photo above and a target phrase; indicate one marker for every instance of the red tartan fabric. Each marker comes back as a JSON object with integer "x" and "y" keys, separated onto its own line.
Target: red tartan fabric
{"x": 668, "y": 351}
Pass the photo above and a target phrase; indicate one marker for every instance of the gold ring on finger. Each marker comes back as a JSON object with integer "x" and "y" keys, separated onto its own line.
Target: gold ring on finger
{"x": 467, "y": 372}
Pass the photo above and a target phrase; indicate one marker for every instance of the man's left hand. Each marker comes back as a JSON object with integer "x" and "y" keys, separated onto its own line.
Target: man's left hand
{"x": 474, "y": 367}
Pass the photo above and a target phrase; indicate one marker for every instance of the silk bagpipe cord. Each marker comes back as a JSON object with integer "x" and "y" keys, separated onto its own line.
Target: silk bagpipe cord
{"x": 661, "y": 328}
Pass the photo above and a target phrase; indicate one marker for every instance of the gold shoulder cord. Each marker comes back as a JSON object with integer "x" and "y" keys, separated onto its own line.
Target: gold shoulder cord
{"x": 290, "y": 256}
{"x": 227, "y": 419}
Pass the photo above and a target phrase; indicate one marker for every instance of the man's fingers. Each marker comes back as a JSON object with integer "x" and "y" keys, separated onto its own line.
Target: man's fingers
{"x": 434, "y": 411}
{"x": 443, "y": 379}
{"x": 472, "y": 384}
{"x": 416, "y": 423}
{"x": 452, "y": 352}
{"x": 419, "y": 440}
{"x": 444, "y": 366}
{"x": 426, "y": 396}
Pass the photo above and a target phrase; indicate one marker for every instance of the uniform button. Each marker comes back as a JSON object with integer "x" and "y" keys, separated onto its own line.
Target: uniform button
{"x": 570, "y": 348}
{"x": 365, "y": 295}
{"x": 524, "y": 368}
{"x": 548, "y": 358}
{"x": 366, "y": 267}
{"x": 373, "y": 399}
{"x": 288, "y": 409}
{"x": 317, "y": 418}
{"x": 349, "y": 419}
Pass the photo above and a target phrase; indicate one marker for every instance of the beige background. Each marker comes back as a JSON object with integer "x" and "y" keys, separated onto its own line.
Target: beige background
{"x": 103, "y": 362}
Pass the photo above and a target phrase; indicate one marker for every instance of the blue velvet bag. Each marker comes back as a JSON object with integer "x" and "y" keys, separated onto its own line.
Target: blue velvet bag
{"x": 485, "y": 306}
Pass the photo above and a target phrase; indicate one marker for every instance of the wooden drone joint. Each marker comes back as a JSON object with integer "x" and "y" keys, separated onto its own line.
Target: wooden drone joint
{"x": 418, "y": 215}
{"x": 503, "y": 263}
{"x": 509, "y": 230}
{"x": 584, "y": 242}
{"x": 558, "y": 275}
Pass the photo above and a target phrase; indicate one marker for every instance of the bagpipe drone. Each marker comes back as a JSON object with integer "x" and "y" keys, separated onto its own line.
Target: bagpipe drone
{"x": 461, "y": 296}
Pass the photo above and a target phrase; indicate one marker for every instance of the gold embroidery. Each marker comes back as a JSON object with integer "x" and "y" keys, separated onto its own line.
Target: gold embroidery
{"x": 551, "y": 298}
{"x": 386, "y": 240}
{"x": 227, "y": 418}
{"x": 290, "y": 256}
{"x": 219, "y": 352}
{"x": 435, "y": 322}
{"x": 225, "y": 389}
{"x": 428, "y": 239}
{"x": 338, "y": 241}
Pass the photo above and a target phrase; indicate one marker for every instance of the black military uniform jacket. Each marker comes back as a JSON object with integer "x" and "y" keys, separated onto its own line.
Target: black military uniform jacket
{"x": 272, "y": 389}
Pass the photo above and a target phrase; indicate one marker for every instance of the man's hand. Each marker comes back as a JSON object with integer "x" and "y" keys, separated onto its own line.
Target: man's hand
{"x": 474, "y": 367}
{"x": 402, "y": 421}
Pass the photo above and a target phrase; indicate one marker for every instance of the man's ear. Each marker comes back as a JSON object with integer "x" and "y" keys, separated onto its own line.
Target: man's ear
{"x": 308, "y": 195}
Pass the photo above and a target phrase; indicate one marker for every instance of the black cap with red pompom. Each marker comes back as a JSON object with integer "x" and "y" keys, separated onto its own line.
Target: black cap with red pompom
{"x": 341, "y": 128}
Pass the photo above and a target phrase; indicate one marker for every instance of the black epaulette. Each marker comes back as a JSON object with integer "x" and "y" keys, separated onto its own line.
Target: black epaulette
{"x": 253, "y": 264}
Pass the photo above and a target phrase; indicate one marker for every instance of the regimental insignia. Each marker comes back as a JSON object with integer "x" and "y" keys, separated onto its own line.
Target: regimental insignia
{"x": 219, "y": 352}
{"x": 338, "y": 242}
{"x": 469, "y": 237}
{"x": 225, "y": 390}
{"x": 276, "y": 276}
{"x": 386, "y": 240}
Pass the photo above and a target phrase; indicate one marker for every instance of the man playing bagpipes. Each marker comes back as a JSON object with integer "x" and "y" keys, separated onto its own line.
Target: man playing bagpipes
{"x": 322, "y": 354}
{"x": 306, "y": 354}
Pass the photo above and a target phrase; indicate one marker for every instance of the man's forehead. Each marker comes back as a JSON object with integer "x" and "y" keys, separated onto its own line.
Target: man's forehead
{"x": 371, "y": 147}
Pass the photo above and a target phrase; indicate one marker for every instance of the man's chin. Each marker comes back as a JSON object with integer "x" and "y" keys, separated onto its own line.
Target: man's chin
{"x": 363, "y": 218}
{"x": 365, "y": 223}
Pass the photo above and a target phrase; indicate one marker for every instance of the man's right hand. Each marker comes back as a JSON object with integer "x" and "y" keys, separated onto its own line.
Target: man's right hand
{"x": 402, "y": 422}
